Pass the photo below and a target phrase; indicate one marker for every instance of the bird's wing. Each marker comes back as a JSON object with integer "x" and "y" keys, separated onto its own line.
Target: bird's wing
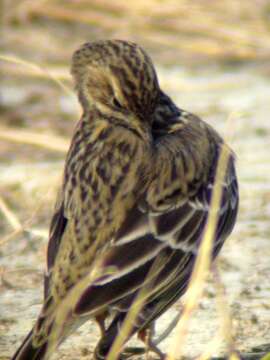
{"x": 178, "y": 201}
{"x": 166, "y": 226}
{"x": 103, "y": 179}
{"x": 57, "y": 228}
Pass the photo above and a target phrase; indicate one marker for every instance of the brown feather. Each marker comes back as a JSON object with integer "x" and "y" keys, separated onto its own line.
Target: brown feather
{"x": 135, "y": 196}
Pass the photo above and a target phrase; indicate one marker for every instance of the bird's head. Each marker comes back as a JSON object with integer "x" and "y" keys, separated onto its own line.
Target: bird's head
{"x": 116, "y": 76}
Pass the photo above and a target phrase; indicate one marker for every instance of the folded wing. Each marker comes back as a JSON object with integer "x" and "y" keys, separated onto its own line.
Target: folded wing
{"x": 166, "y": 225}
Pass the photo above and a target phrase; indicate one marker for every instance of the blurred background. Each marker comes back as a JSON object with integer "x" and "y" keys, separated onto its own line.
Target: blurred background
{"x": 213, "y": 59}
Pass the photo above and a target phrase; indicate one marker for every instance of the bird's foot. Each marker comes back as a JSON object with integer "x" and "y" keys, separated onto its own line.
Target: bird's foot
{"x": 145, "y": 335}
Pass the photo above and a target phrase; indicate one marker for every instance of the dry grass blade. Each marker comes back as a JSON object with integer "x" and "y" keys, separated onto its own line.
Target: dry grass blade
{"x": 202, "y": 264}
{"x": 66, "y": 306}
{"x": 134, "y": 310}
{"x": 25, "y": 227}
{"x": 10, "y": 216}
{"x": 266, "y": 357}
{"x": 71, "y": 14}
{"x": 127, "y": 326}
{"x": 48, "y": 141}
{"x": 42, "y": 233}
{"x": 36, "y": 69}
{"x": 223, "y": 306}
{"x": 234, "y": 356}
{"x": 69, "y": 303}
{"x": 10, "y": 236}
{"x": 240, "y": 34}
{"x": 225, "y": 329}
{"x": 59, "y": 72}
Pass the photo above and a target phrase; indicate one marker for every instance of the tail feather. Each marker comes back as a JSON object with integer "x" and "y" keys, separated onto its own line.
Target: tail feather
{"x": 28, "y": 352}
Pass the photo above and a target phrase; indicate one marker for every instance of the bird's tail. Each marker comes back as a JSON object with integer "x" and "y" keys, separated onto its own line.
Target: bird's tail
{"x": 28, "y": 352}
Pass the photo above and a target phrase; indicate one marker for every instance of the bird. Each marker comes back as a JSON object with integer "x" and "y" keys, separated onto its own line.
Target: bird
{"x": 133, "y": 203}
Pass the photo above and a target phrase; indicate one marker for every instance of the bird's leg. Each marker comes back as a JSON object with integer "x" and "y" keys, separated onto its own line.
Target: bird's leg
{"x": 100, "y": 319}
{"x": 146, "y": 336}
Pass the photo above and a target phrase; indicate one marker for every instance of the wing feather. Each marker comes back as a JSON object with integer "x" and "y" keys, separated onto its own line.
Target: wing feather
{"x": 166, "y": 223}
{"x": 170, "y": 220}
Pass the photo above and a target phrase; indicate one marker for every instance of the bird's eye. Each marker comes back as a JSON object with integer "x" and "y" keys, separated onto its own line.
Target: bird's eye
{"x": 117, "y": 104}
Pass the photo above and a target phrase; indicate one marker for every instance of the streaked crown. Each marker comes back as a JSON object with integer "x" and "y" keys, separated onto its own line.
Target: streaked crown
{"x": 115, "y": 74}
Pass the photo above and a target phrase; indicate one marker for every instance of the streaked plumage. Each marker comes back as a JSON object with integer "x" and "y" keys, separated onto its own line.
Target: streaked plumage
{"x": 136, "y": 190}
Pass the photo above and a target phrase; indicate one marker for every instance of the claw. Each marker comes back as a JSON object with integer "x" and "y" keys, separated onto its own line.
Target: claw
{"x": 146, "y": 336}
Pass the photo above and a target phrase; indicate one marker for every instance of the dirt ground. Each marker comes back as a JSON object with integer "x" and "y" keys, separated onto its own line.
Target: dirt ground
{"x": 233, "y": 97}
